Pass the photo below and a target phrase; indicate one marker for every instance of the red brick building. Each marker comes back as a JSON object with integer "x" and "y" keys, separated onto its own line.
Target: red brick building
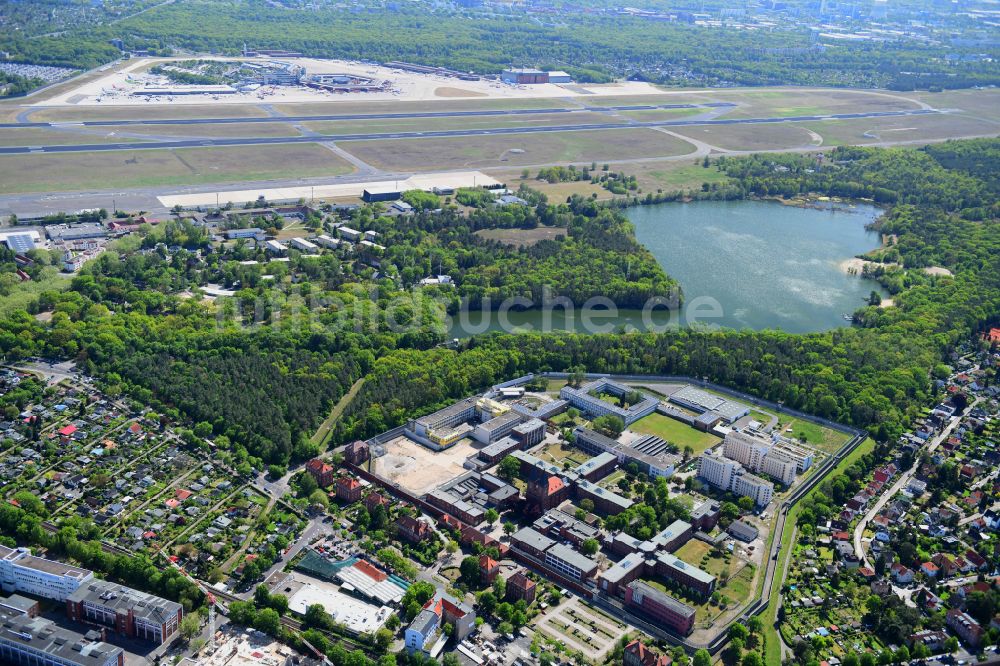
{"x": 348, "y": 489}
{"x": 374, "y": 499}
{"x": 661, "y": 606}
{"x": 547, "y": 492}
{"x": 519, "y": 586}
{"x": 356, "y": 452}
{"x": 489, "y": 569}
{"x": 637, "y": 654}
{"x": 321, "y": 471}
{"x": 412, "y": 529}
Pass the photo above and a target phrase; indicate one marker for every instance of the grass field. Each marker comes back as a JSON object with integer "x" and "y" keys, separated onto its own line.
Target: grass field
{"x": 817, "y": 436}
{"x": 322, "y": 434}
{"x": 674, "y": 176}
{"x": 901, "y": 129}
{"x": 769, "y": 136}
{"x": 36, "y": 136}
{"x": 457, "y": 123}
{"x": 522, "y": 237}
{"x": 149, "y": 112}
{"x": 787, "y": 102}
{"x": 652, "y": 115}
{"x": 675, "y": 432}
{"x": 403, "y": 106}
{"x": 210, "y": 131}
{"x": 557, "y": 454}
{"x": 981, "y": 103}
{"x": 516, "y": 149}
{"x": 152, "y": 168}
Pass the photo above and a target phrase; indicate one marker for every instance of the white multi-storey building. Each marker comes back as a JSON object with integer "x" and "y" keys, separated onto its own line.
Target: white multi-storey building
{"x": 20, "y": 571}
{"x": 727, "y": 474}
{"x": 775, "y": 458}
{"x": 750, "y": 485}
{"x": 779, "y": 467}
{"x": 717, "y": 471}
{"x": 746, "y": 448}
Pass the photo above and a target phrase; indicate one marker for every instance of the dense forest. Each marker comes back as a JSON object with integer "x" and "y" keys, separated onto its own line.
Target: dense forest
{"x": 587, "y": 45}
{"x": 594, "y": 253}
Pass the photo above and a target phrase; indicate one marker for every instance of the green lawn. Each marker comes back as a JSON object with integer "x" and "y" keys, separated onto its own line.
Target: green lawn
{"x": 820, "y": 437}
{"x": 675, "y": 432}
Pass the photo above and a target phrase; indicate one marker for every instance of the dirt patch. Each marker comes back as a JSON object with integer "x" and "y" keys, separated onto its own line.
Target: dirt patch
{"x": 419, "y": 469}
{"x": 937, "y": 270}
{"x": 522, "y": 237}
{"x": 446, "y": 91}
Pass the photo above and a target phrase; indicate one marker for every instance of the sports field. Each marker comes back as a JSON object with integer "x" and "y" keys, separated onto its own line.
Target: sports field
{"x": 675, "y": 432}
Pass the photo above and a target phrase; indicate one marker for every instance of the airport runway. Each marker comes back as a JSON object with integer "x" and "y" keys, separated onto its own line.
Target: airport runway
{"x": 361, "y": 116}
{"x": 379, "y": 136}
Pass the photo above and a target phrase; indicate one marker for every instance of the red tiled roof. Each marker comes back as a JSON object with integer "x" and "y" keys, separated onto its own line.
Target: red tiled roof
{"x": 68, "y": 430}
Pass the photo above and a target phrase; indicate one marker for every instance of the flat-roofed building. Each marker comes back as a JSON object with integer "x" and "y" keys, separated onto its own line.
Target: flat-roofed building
{"x": 779, "y": 467}
{"x": 20, "y": 571}
{"x": 701, "y": 401}
{"x": 250, "y": 232}
{"x": 16, "y": 604}
{"x": 750, "y": 485}
{"x": 586, "y": 398}
{"x": 747, "y": 448}
{"x": 626, "y": 570}
{"x": 652, "y": 454}
{"x": 21, "y": 241}
{"x": 598, "y": 467}
{"x": 531, "y": 541}
{"x": 350, "y": 234}
{"x": 446, "y": 426}
{"x": 38, "y": 641}
{"x": 661, "y": 606}
{"x": 716, "y": 470}
{"x": 706, "y": 515}
{"x": 497, "y": 428}
{"x": 275, "y": 247}
{"x": 743, "y": 531}
{"x": 673, "y": 536}
{"x": 498, "y": 450}
{"x": 558, "y": 524}
{"x": 303, "y": 245}
{"x": 802, "y": 456}
{"x": 688, "y": 575}
{"x": 569, "y": 562}
{"x": 126, "y": 611}
{"x": 524, "y": 76}
{"x": 530, "y": 433}
{"x": 65, "y": 233}
{"x": 605, "y": 501}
